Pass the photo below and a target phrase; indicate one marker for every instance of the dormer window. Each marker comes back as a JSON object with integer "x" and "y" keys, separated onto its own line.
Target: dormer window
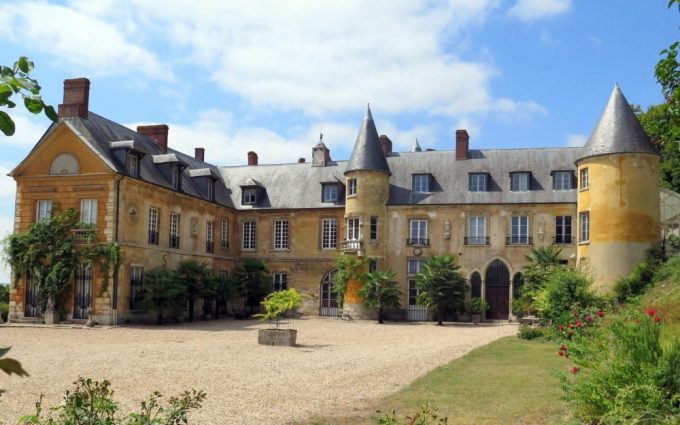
{"x": 249, "y": 196}
{"x": 519, "y": 181}
{"x": 421, "y": 182}
{"x": 562, "y": 180}
{"x": 175, "y": 177}
{"x": 132, "y": 165}
{"x": 211, "y": 190}
{"x": 330, "y": 193}
{"x": 478, "y": 182}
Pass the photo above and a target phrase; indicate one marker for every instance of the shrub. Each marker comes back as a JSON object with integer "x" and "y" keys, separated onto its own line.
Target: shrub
{"x": 529, "y": 332}
{"x": 639, "y": 279}
{"x": 565, "y": 289}
{"x": 476, "y": 306}
{"x": 278, "y": 303}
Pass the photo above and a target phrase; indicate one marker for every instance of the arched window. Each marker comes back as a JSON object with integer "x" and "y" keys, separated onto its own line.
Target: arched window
{"x": 328, "y": 297}
{"x": 476, "y": 285}
{"x": 64, "y": 164}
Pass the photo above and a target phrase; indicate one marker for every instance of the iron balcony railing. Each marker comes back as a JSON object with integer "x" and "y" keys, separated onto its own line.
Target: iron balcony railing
{"x": 477, "y": 240}
{"x": 417, "y": 242}
{"x": 351, "y": 245}
{"x": 563, "y": 240}
{"x": 174, "y": 242}
{"x": 519, "y": 240}
{"x": 153, "y": 238}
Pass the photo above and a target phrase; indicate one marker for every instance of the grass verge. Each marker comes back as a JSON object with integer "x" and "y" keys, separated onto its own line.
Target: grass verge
{"x": 508, "y": 381}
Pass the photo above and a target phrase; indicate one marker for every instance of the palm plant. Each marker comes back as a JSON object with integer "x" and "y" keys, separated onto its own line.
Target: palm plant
{"x": 225, "y": 290}
{"x": 543, "y": 257}
{"x": 380, "y": 291}
{"x": 440, "y": 285}
{"x": 254, "y": 282}
{"x": 160, "y": 291}
{"x": 541, "y": 262}
{"x": 193, "y": 276}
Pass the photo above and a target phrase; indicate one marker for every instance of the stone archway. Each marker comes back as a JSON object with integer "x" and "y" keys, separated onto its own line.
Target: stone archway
{"x": 497, "y": 290}
{"x": 327, "y": 296}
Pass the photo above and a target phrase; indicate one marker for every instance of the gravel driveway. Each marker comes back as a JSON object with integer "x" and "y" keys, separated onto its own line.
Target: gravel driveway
{"x": 338, "y": 367}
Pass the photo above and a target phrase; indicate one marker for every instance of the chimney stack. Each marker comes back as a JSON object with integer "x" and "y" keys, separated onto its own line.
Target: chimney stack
{"x": 386, "y": 145}
{"x": 252, "y": 158}
{"x": 301, "y": 160}
{"x": 462, "y": 142}
{"x": 158, "y": 132}
{"x": 76, "y": 98}
{"x": 199, "y": 154}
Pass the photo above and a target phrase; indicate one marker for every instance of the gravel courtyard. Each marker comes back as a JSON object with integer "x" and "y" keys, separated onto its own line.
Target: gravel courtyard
{"x": 338, "y": 366}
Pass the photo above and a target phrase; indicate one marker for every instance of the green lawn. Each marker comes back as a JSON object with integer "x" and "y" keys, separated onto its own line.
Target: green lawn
{"x": 509, "y": 381}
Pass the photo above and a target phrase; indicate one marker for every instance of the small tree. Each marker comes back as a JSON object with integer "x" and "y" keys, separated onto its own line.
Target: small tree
{"x": 348, "y": 267}
{"x": 254, "y": 282}
{"x": 279, "y": 303}
{"x": 541, "y": 263}
{"x": 194, "y": 276}
{"x": 440, "y": 285}
{"x": 380, "y": 291}
{"x": 160, "y": 292}
{"x": 225, "y": 290}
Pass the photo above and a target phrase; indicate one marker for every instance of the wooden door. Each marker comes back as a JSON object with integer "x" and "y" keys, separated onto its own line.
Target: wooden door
{"x": 497, "y": 285}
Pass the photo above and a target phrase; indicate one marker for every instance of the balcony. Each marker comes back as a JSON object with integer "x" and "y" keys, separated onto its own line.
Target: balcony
{"x": 351, "y": 245}
{"x": 563, "y": 240}
{"x": 519, "y": 240}
{"x": 477, "y": 240}
{"x": 417, "y": 242}
{"x": 209, "y": 247}
{"x": 153, "y": 238}
{"x": 174, "y": 242}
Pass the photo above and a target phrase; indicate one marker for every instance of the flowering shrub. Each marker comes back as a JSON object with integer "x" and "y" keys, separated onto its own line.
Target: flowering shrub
{"x": 563, "y": 289}
{"x": 617, "y": 369}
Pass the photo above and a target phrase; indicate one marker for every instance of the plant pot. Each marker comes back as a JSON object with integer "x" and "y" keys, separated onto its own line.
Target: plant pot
{"x": 278, "y": 337}
{"x": 476, "y": 318}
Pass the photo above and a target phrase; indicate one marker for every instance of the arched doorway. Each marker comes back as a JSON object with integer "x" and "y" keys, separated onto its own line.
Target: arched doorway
{"x": 497, "y": 290}
{"x": 475, "y": 285}
{"x": 327, "y": 296}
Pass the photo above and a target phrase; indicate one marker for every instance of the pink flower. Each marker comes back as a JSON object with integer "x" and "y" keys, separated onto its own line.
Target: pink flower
{"x": 561, "y": 327}
{"x": 563, "y": 347}
{"x": 651, "y": 312}
{"x": 600, "y": 313}
{"x": 574, "y": 370}
{"x": 560, "y": 353}
{"x": 589, "y": 318}
{"x": 579, "y": 324}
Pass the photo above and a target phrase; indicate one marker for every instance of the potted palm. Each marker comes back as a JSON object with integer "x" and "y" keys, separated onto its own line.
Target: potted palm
{"x": 277, "y": 304}
{"x": 476, "y": 307}
{"x": 380, "y": 292}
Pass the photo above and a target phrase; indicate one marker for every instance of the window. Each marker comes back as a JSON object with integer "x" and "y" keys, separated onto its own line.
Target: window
{"x": 562, "y": 180}
{"x": 136, "y": 273}
{"x": 43, "y": 210}
{"x": 413, "y": 267}
{"x": 353, "y": 230}
{"x": 374, "y": 228}
{"x": 132, "y": 165}
{"x": 329, "y": 233}
{"x": 372, "y": 265}
{"x": 476, "y": 230}
{"x": 209, "y": 230}
{"x": 351, "y": 187}
{"x": 520, "y": 230}
{"x": 563, "y": 229}
{"x": 478, "y": 182}
{"x": 476, "y": 285}
{"x": 421, "y": 182}
{"x": 153, "y": 226}
{"x": 279, "y": 282}
{"x": 224, "y": 241}
{"x": 519, "y": 182}
{"x": 249, "y": 235}
{"x": 175, "y": 177}
{"x": 330, "y": 193}
{"x": 211, "y": 190}
{"x": 418, "y": 233}
{"x": 585, "y": 227}
{"x": 174, "y": 230}
{"x": 281, "y": 234}
{"x": 584, "y": 178}
{"x": 249, "y": 196}
{"x": 88, "y": 211}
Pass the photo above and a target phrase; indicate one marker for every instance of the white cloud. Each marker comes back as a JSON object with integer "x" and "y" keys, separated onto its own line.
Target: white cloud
{"x": 533, "y": 10}
{"x": 575, "y": 140}
{"x": 29, "y": 128}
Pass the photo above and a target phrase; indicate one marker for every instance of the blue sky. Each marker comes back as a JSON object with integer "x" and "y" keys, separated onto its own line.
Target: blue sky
{"x": 235, "y": 76}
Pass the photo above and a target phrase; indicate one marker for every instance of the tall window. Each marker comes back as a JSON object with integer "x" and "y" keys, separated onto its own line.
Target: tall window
{"x": 279, "y": 282}
{"x": 374, "y": 228}
{"x": 329, "y": 233}
{"x": 224, "y": 241}
{"x": 520, "y": 230}
{"x": 351, "y": 187}
{"x": 211, "y": 190}
{"x": 413, "y": 267}
{"x": 421, "y": 183}
{"x": 209, "y": 231}
{"x": 562, "y": 180}
{"x": 519, "y": 182}
{"x": 249, "y": 234}
{"x": 478, "y": 182}
{"x": 476, "y": 230}
{"x": 132, "y": 165}
{"x": 563, "y": 229}
{"x": 249, "y": 196}
{"x": 153, "y": 226}
{"x": 174, "y": 230}
{"x": 330, "y": 193}
{"x": 281, "y": 234}
{"x": 584, "y": 219}
{"x": 583, "y": 181}
{"x": 418, "y": 233}
{"x": 136, "y": 273}
{"x": 353, "y": 230}
{"x": 88, "y": 211}
{"x": 43, "y": 210}
{"x": 476, "y": 285}
{"x": 175, "y": 177}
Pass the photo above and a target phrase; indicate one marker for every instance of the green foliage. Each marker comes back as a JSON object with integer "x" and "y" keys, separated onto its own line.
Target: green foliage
{"x": 196, "y": 279}
{"x": 441, "y": 285}
{"x": 4, "y": 301}
{"x": 161, "y": 291}
{"x": 635, "y": 283}
{"x": 540, "y": 265}
{"x": 564, "y": 290}
{"x": 347, "y": 267}
{"x": 225, "y": 290}
{"x": 279, "y": 303}
{"x": 380, "y": 291}
{"x": 254, "y": 282}
{"x": 476, "y": 305}
{"x": 531, "y": 332}
{"x": 427, "y": 415}
{"x": 91, "y": 403}
{"x": 543, "y": 257}
{"x": 623, "y": 373}
{"x": 16, "y": 81}
{"x": 10, "y": 366}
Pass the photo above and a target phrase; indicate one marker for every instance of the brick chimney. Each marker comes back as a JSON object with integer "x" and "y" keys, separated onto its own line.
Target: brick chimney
{"x": 462, "y": 142}
{"x": 301, "y": 160}
{"x": 252, "y": 158}
{"x": 76, "y": 98}
{"x": 199, "y": 154}
{"x": 386, "y": 145}
{"x": 157, "y": 132}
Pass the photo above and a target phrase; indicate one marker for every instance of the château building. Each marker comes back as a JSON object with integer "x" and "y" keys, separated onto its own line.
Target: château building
{"x": 488, "y": 207}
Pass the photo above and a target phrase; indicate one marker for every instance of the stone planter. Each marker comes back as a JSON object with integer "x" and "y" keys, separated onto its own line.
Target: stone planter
{"x": 476, "y": 318}
{"x": 278, "y": 337}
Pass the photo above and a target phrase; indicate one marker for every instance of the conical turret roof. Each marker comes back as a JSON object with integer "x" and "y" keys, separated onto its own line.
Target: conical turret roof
{"x": 367, "y": 153}
{"x": 618, "y": 130}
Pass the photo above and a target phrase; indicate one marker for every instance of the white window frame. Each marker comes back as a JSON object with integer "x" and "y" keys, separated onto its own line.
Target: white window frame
{"x": 519, "y": 181}
{"x": 211, "y": 190}
{"x": 563, "y": 230}
{"x": 281, "y": 234}
{"x": 209, "y": 233}
{"x": 279, "y": 281}
{"x": 421, "y": 183}
{"x": 353, "y": 229}
{"x": 583, "y": 180}
{"x": 43, "y": 209}
{"x": 417, "y": 231}
{"x": 562, "y": 180}
{"x": 224, "y": 241}
{"x": 519, "y": 230}
{"x": 475, "y": 224}
{"x": 584, "y": 227}
{"x": 329, "y": 233}
{"x": 351, "y": 187}
{"x": 249, "y": 235}
{"x": 249, "y": 196}
{"x": 478, "y": 182}
{"x": 330, "y": 193}
{"x": 174, "y": 229}
{"x": 413, "y": 266}
{"x": 88, "y": 212}
{"x": 132, "y": 164}
{"x": 153, "y": 223}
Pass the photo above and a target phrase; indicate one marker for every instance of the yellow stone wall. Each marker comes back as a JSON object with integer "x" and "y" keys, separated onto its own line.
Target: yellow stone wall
{"x": 624, "y": 214}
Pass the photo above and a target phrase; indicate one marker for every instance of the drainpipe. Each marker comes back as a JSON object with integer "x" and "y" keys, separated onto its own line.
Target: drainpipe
{"x": 114, "y": 277}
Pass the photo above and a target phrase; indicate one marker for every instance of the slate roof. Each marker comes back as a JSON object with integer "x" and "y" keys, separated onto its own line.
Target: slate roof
{"x": 367, "y": 153}
{"x": 618, "y": 130}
